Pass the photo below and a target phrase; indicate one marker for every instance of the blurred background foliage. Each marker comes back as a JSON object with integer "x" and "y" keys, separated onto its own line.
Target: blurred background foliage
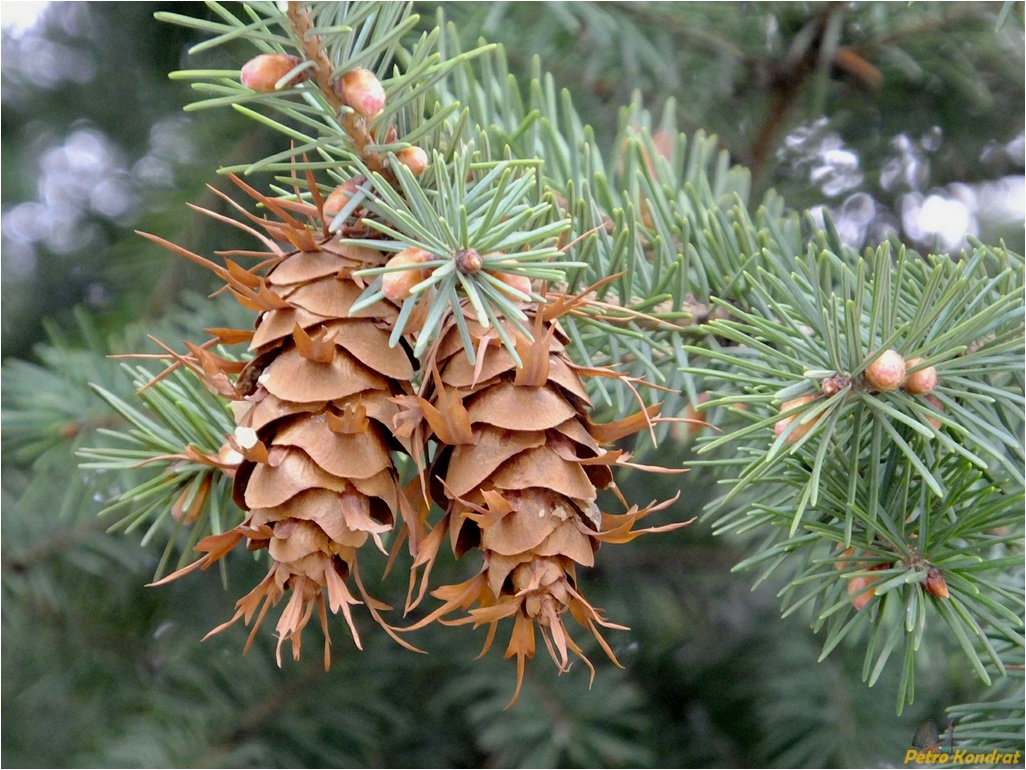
{"x": 905, "y": 121}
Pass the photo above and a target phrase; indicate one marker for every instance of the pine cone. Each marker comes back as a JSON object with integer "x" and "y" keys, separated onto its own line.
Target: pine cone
{"x": 518, "y": 479}
{"x": 314, "y": 413}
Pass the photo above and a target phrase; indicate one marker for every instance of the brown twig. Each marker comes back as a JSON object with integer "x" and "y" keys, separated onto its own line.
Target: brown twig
{"x": 354, "y": 125}
{"x": 796, "y": 69}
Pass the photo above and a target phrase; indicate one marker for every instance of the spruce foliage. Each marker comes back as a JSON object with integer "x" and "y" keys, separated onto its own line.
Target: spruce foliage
{"x": 638, "y": 305}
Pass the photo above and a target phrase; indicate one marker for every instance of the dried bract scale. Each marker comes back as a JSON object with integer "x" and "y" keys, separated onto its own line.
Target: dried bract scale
{"x": 311, "y": 453}
{"x": 262, "y": 73}
{"x": 191, "y": 501}
{"x": 229, "y": 457}
{"x": 921, "y": 381}
{"x": 414, "y": 158}
{"x": 398, "y": 285}
{"x": 517, "y": 473}
{"x": 886, "y": 372}
{"x": 361, "y": 90}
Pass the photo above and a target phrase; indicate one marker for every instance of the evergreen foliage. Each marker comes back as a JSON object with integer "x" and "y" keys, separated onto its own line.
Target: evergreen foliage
{"x": 887, "y": 522}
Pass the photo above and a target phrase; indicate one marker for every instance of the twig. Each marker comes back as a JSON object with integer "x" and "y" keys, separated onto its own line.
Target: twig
{"x": 354, "y": 125}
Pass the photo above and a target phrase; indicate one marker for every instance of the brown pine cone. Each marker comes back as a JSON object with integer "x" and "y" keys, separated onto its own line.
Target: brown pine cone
{"x": 314, "y": 414}
{"x": 517, "y": 478}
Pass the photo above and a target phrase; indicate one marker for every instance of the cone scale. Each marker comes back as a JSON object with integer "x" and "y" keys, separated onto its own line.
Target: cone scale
{"x": 518, "y": 475}
{"x": 313, "y": 407}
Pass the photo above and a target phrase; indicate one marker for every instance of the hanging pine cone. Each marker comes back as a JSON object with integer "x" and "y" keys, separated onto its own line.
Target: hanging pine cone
{"x": 517, "y": 477}
{"x": 314, "y": 413}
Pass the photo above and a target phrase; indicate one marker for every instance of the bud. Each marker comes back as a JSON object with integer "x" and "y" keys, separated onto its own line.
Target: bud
{"x": 921, "y": 381}
{"x": 397, "y": 286}
{"x": 887, "y": 372}
{"x": 468, "y": 261}
{"x": 363, "y": 92}
{"x": 939, "y": 407}
{"x": 935, "y": 584}
{"x": 262, "y": 72}
{"x": 835, "y": 384}
{"x": 414, "y": 158}
{"x": 664, "y": 142}
{"x": 339, "y": 197}
{"x": 843, "y": 565}
{"x": 516, "y": 281}
{"x": 801, "y": 429}
{"x": 861, "y": 589}
{"x": 695, "y": 423}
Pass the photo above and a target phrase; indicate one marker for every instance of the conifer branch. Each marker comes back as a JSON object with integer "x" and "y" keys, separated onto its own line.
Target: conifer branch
{"x": 868, "y": 408}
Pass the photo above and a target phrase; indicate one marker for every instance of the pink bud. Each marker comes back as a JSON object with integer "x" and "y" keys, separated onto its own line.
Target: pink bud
{"x": 361, "y": 90}
{"x": 860, "y": 591}
{"x": 262, "y": 72}
{"x": 921, "y": 381}
{"x": 339, "y": 197}
{"x": 398, "y": 285}
{"x": 414, "y": 158}
{"x": 887, "y": 372}
{"x": 801, "y": 428}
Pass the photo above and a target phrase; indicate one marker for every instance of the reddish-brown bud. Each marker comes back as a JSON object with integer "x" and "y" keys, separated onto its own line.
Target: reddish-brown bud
{"x": 834, "y": 384}
{"x": 468, "y": 261}
{"x": 398, "y": 285}
{"x": 802, "y": 428}
{"x": 935, "y": 583}
{"x": 262, "y": 72}
{"x": 887, "y": 371}
{"x": 414, "y": 158}
{"x": 921, "y": 381}
{"x": 362, "y": 91}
